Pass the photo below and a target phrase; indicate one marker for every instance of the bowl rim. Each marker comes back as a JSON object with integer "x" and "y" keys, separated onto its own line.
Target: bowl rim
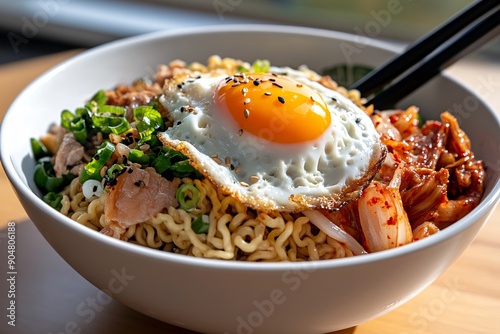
{"x": 487, "y": 202}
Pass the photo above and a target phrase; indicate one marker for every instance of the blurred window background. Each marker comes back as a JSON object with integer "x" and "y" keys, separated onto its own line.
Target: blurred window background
{"x": 34, "y": 27}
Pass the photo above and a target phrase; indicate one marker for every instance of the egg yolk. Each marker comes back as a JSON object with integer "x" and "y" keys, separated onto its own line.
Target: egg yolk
{"x": 274, "y": 107}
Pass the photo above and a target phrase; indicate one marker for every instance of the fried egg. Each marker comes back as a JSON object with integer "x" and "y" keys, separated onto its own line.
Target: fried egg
{"x": 277, "y": 141}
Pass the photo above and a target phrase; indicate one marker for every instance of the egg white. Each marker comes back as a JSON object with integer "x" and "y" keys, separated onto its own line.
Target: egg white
{"x": 268, "y": 176}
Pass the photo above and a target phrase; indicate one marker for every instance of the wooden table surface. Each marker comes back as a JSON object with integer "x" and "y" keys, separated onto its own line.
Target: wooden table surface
{"x": 464, "y": 300}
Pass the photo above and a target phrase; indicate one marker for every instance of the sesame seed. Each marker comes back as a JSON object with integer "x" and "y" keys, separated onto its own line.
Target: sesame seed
{"x": 274, "y": 74}
{"x": 334, "y": 99}
{"x": 246, "y": 113}
{"x": 244, "y": 184}
{"x": 256, "y": 82}
{"x": 183, "y": 109}
{"x": 94, "y": 189}
{"x": 124, "y": 159}
{"x": 281, "y": 99}
{"x": 247, "y": 101}
{"x": 228, "y": 162}
{"x": 272, "y": 79}
{"x": 237, "y": 170}
{"x": 277, "y": 85}
{"x": 240, "y": 132}
{"x": 299, "y": 85}
{"x": 235, "y": 84}
{"x": 217, "y": 160}
{"x": 268, "y": 93}
{"x": 312, "y": 98}
{"x": 228, "y": 79}
{"x": 244, "y": 90}
{"x": 254, "y": 178}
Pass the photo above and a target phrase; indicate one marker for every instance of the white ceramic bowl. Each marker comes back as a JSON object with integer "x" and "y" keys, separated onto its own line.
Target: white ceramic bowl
{"x": 228, "y": 297}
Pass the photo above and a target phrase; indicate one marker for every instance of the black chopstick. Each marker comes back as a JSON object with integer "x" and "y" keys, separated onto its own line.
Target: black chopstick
{"x": 433, "y": 64}
{"x": 380, "y": 77}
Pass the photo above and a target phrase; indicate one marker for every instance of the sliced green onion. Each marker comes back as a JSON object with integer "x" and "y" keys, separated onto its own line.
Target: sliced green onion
{"x": 100, "y": 98}
{"x": 138, "y": 156}
{"x": 45, "y": 178}
{"x": 261, "y": 66}
{"x": 39, "y": 150}
{"x": 110, "y": 119}
{"x": 53, "y": 199}
{"x": 161, "y": 163}
{"x": 148, "y": 120}
{"x": 241, "y": 69}
{"x": 200, "y": 224}
{"x": 187, "y": 195}
{"x": 92, "y": 170}
{"x": 75, "y": 124}
{"x": 113, "y": 170}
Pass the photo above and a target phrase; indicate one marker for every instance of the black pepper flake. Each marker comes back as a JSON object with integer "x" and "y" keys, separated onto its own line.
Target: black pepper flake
{"x": 358, "y": 120}
{"x": 178, "y": 123}
{"x": 113, "y": 182}
{"x": 94, "y": 189}
{"x": 272, "y": 79}
{"x": 139, "y": 183}
{"x": 121, "y": 171}
{"x": 268, "y": 93}
{"x": 179, "y": 86}
{"x": 256, "y": 82}
{"x": 124, "y": 159}
{"x": 183, "y": 109}
{"x": 96, "y": 156}
{"x": 130, "y": 170}
{"x": 281, "y": 99}
{"x": 277, "y": 85}
{"x": 334, "y": 99}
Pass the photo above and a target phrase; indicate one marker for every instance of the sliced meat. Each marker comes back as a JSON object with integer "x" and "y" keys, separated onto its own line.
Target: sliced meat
{"x": 70, "y": 153}
{"x": 138, "y": 195}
